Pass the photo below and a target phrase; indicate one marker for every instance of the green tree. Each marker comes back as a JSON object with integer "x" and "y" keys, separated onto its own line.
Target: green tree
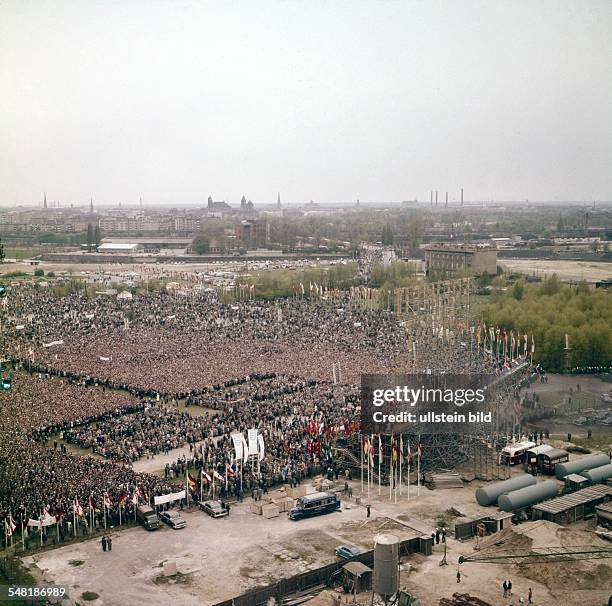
{"x": 201, "y": 244}
{"x": 484, "y": 279}
{"x": 387, "y": 235}
{"x": 97, "y": 236}
{"x": 89, "y": 236}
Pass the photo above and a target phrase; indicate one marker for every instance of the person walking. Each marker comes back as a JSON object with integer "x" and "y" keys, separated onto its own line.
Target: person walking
{"x": 505, "y": 588}
{"x": 529, "y": 596}
{"x": 368, "y": 510}
{"x": 104, "y": 544}
{"x": 458, "y": 577}
{"x": 109, "y": 541}
{"x": 509, "y": 587}
{"x": 437, "y": 536}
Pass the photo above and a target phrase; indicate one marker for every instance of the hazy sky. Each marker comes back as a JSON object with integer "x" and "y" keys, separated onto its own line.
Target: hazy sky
{"x": 331, "y": 101}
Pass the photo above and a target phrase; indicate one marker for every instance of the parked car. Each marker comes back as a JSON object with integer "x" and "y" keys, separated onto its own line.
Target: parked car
{"x": 347, "y": 552}
{"x": 173, "y": 519}
{"x": 213, "y": 508}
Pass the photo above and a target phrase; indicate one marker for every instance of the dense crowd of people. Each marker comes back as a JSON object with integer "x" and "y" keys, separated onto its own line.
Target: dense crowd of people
{"x": 120, "y": 379}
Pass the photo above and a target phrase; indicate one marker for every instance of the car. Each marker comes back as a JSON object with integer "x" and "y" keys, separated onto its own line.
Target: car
{"x": 214, "y": 509}
{"x": 173, "y": 519}
{"x": 348, "y": 552}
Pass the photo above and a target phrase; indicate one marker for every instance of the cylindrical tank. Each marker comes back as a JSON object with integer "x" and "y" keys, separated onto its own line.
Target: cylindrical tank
{"x": 598, "y": 474}
{"x": 488, "y": 495}
{"x": 386, "y": 559}
{"x": 578, "y": 466}
{"x": 524, "y": 497}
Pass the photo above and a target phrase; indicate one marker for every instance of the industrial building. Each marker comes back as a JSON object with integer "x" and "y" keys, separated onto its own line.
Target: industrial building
{"x": 574, "y": 506}
{"x": 452, "y": 260}
{"x": 119, "y": 248}
{"x": 253, "y": 233}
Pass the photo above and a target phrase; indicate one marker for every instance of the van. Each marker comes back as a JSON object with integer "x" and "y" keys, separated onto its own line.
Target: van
{"x": 147, "y": 517}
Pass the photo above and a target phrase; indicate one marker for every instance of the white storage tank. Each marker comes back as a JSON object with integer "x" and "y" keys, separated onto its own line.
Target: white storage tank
{"x": 488, "y": 495}
{"x": 580, "y": 465}
{"x": 531, "y": 495}
{"x": 386, "y": 565}
{"x": 599, "y": 474}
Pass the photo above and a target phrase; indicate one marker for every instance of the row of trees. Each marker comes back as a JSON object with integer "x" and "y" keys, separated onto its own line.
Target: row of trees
{"x": 550, "y": 310}
{"x": 283, "y": 283}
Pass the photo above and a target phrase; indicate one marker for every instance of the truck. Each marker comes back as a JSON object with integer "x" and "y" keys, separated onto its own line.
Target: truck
{"x": 147, "y": 516}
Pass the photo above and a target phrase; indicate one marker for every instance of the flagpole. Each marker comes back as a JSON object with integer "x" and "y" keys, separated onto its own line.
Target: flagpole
{"x": 400, "y": 463}
{"x": 23, "y": 531}
{"x": 408, "y": 479}
{"x": 361, "y": 459}
{"x": 419, "y": 467}
{"x": 187, "y": 485}
{"x": 391, "y": 469}
{"x": 104, "y": 507}
{"x": 40, "y": 527}
{"x": 379, "y": 457}
{"x": 368, "y": 464}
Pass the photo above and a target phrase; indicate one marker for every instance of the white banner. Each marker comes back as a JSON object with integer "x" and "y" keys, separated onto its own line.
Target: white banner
{"x": 47, "y": 520}
{"x": 169, "y": 498}
{"x": 260, "y": 442}
{"x": 252, "y": 434}
{"x": 245, "y": 450}
{"x": 237, "y": 440}
{"x": 60, "y": 342}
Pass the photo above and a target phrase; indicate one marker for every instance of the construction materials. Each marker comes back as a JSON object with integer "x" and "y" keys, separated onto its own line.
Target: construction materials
{"x": 446, "y": 480}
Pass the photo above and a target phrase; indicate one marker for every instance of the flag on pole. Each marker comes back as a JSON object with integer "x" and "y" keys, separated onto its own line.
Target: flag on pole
{"x": 191, "y": 480}
{"x": 206, "y": 479}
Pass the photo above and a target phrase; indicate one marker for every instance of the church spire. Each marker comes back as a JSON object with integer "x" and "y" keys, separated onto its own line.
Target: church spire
{"x": 91, "y": 205}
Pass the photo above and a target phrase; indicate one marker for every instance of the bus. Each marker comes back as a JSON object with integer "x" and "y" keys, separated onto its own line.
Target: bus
{"x": 515, "y": 453}
{"x": 314, "y": 505}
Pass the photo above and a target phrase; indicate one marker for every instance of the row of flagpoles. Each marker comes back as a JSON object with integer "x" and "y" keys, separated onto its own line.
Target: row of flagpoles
{"x": 398, "y": 456}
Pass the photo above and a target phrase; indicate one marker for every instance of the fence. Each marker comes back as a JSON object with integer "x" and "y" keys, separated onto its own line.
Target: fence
{"x": 320, "y": 576}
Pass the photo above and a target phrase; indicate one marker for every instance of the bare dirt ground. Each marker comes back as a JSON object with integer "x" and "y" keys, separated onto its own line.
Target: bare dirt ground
{"x": 574, "y": 271}
{"x": 222, "y": 558}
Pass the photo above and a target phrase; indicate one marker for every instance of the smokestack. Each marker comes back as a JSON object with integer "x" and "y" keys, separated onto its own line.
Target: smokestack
{"x": 446, "y": 199}
{"x": 431, "y": 198}
{"x": 462, "y": 196}
{"x": 436, "y": 197}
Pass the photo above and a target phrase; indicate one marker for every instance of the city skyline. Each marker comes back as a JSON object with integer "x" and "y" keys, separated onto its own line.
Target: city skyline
{"x": 330, "y": 102}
